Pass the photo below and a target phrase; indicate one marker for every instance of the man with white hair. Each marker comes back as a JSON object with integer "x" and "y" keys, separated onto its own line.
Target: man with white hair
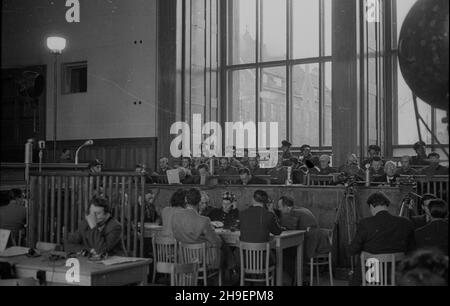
{"x": 351, "y": 168}
{"x": 324, "y": 165}
{"x": 390, "y": 174}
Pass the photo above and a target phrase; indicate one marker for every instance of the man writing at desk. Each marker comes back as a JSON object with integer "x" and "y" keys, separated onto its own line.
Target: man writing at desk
{"x": 99, "y": 233}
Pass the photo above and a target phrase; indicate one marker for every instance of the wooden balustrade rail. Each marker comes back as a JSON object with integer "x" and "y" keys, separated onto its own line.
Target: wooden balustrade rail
{"x": 59, "y": 202}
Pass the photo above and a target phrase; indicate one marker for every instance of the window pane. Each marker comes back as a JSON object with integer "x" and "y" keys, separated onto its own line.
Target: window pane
{"x": 305, "y": 116}
{"x": 243, "y": 42}
{"x": 407, "y": 126}
{"x": 328, "y": 27}
{"x": 403, "y": 7}
{"x": 243, "y": 96}
{"x": 306, "y": 28}
{"x": 273, "y": 98}
{"x": 273, "y": 30}
{"x": 441, "y": 128}
{"x": 327, "y": 106}
{"x": 198, "y": 58}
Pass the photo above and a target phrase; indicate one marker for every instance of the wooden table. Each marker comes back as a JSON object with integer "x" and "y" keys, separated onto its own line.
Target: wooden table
{"x": 91, "y": 274}
{"x": 286, "y": 240}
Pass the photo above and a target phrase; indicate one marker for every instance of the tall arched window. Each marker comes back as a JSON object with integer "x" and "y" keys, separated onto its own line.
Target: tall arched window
{"x": 278, "y": 67}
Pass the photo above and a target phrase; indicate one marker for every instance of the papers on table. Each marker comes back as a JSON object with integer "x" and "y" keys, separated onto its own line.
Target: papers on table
{"x": 115, "y": 260}
{"x": 173, "y": 176}
{"x": 14, "y": 251}
{"x": 217, "y": 224}
{"x": 152, "y": 226}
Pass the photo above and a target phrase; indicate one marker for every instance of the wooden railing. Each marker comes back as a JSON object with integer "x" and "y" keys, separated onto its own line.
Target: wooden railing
{"x": 212, "y": 179}
{"x": 59, "y": 202}
{"x": 437, "y": 185}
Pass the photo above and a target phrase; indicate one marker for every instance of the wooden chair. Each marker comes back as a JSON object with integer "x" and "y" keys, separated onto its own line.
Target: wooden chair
{"x": 255, "y": 261}
{"x": 209, "y": 264}
{"x": 383, "y": 266}
{"x": 18, "y": 282}
{"x": 322, "y": 260}
{"x": 184, "y": 275}
{"x": 164, "y": 255}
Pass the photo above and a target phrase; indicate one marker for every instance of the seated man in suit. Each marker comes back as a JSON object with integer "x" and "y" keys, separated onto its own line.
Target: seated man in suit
{"x": 324, "y": 165}
{"x": 163, "y": 166}
{"x": 188, "y": 226}
{"x": 228, "y": 214}
{"x": 177, "y": 203}
{"x": 374, "y": 151}
{"x": 376, "y": 169}
{"x": 421, "y": 156}
{"x": 382, "y": 233}
{"x": 301, "y": 218}
{"x": 253, "y": 166}
{"x": 435, "y": 233}
{"x": 351, "y": 169}
{"x": 423, "y": 219}
{"x": 226, "y": 168}
{"x": 389, "y": 177}
{"x": 205, "y": 207}
{"x": 279, "y": 173}
{"x": 99, "y": 233}
{"x": 434, "y": 168}
{"x": 259, "y": 220}
{"x": 248, "y": 179}
{"x": 406, "y": 168}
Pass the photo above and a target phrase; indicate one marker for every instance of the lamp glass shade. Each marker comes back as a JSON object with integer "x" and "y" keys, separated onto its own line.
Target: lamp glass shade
{"x": 56, "y": 44}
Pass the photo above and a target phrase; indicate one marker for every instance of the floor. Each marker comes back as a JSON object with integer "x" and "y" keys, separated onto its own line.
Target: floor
{"x": 324, "y": 281}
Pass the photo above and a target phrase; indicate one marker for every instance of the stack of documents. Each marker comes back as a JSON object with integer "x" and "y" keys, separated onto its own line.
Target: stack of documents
{"x": 14, "y": 251}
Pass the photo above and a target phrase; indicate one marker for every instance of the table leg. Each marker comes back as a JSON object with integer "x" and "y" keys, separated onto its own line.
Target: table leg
{"x": 279, "y": 266}
{"x": 144, "y": 281}
{"x": 300, "y": 264}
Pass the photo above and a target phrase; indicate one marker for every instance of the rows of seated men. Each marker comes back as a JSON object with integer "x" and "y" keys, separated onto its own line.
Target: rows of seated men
{"x": 249, "y": 169}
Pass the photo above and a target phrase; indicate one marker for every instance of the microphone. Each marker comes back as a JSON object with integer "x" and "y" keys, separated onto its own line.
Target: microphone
{"x": 87, "y": 143}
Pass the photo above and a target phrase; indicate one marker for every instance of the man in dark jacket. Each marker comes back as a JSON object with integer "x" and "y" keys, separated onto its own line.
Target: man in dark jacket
{"x": 423, "y": 219}
{"x": 434, "y": 168}
{"x": 228, "y": 214}
{"x": 383, "y": 233}
{"x": 435, "y": 233}
{"x": 258, "y": 221}
{"x": 421, "y": 158}
{"x": 248, "y": 179}
{"x": 99, "y": 233}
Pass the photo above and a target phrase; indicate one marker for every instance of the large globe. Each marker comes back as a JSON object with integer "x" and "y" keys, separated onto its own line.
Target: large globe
{"x": 423, "y": 51}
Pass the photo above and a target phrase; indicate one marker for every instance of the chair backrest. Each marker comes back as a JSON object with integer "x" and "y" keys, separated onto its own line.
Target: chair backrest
{"x": 18, "y": 282}
{"x": 184, "y": 274}
{"x": 164, "y": 253}
{"x": 381, "y": 268}
{"x": 254, "y": 257}
{"x": 193, "y": 253}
